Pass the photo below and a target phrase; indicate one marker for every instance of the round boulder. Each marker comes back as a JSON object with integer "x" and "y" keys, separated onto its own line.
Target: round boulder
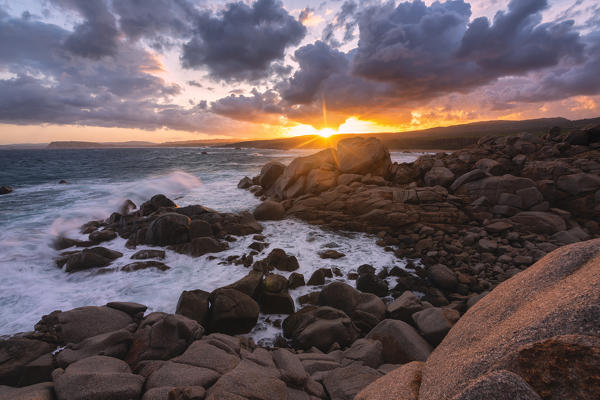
{"x": 232, "y": 312}
{"x": 269, "y": 211}
{"x": 168, "y": 229}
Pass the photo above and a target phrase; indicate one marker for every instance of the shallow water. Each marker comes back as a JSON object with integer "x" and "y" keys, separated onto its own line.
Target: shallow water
{"x": 99, "y": 181}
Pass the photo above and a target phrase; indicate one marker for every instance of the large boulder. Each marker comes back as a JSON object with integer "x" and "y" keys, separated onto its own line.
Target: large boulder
{"x": 269, "y": 174}
{"x": 365, "y": 309}
{"x": 232, "y": 312}
{"x": 320, "y": 327}
{"x": 293, "y": 180}
{"x": 194, "y": 304}
{"x": 360, "y": 155}
{"x": 168, "y": 229}
{"x": 97, "y": 378}
{"x": 401, "y": 342}
{"x": 249, "y": 380}
{"x": 95, "y": 257}
{"x": 81, "y": 323}
{"x": 278, "y": 259}
{"x": 493, "y": 186}
{"x": 40, "y": 391}
{"x": 155, "y": 203}
{"x": 16, "y": 357}
{"x": 111, "y": 344}
{"x": 577, "y": 184}
{"x": 541, "y": 324}
{"x": 162, "y": 336}
{"x": 441, "y": 176}
{"x": 401, "y": 383}
{"x": 345, "y": 383}
{"x": 320, "y": 180}
{"x": 404, "y": 306}
{"x": 269, "y": 210}
{"x": 540, "y": 222}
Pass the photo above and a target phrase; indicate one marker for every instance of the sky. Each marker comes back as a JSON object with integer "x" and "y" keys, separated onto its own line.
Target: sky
{"x": 167, "y": 70}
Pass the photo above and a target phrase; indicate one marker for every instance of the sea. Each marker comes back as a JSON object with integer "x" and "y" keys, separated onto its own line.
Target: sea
{"x": 98, "y": 182}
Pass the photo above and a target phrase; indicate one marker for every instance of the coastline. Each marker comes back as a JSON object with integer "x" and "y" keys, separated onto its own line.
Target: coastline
{"x": 473, "y": 220}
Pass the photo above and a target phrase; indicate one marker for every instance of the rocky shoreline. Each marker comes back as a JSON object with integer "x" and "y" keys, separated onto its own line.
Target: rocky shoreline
{"x": 469, "y": 318}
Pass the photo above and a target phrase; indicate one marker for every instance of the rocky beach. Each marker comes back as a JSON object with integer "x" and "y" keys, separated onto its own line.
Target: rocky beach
{"x": 499, "y": 296}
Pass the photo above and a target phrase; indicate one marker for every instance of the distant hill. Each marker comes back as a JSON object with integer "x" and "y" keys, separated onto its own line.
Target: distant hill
{"x": 441, "y": 138}
{"x": 134, "y": 144}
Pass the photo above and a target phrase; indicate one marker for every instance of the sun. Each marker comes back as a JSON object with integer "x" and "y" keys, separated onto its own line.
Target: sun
{"x": 326, "y": 132}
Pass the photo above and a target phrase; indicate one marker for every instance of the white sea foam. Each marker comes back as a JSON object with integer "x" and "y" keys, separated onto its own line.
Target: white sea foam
{"x": 32, "y": 286}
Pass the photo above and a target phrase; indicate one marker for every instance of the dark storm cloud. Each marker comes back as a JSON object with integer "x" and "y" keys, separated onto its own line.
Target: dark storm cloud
{"x": 241, "y": 42}
{"x": 153, "y": 18}
{"x": 259, "y": 107}
{"x": 425, "y": 51}
{"x": 345, "y": 19}
{"x": 98, "y": 35}
{"x": 51, "y": 85}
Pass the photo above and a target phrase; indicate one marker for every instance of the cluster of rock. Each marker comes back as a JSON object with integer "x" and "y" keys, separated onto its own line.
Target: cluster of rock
{"x": 536, "y": 336}
{"x": 193, "y": 230}
{"x": 474, "y": 217}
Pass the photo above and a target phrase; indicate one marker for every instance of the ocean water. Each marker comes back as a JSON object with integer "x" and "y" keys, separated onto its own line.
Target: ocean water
{"x": 99, "y": 180}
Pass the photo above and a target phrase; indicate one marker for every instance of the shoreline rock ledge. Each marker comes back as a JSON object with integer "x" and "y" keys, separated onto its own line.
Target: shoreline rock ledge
{"x": 535, "y": 336}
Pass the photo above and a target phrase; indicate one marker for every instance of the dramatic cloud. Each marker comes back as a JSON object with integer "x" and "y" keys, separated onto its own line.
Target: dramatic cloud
{"x": 346, "y": 20}
{"x": 260, "y": 107}
{"x": 98, "y": 35}
{"x": 425, "y": 51}
{"x": 242, "y": 42}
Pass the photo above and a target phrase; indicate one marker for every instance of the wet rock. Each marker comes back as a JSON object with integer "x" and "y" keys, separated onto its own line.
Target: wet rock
{"x": 102, "y": 236}
{"x": 16, "y": 354}
{"x": 333, "y": 254}
{"x": 155, "y": 203}
{"x": 147, "y": 253}
{"x": 295, "y": 280}
{"x": 162, "y": 336}
{"x": 194, "y": 304}
{"x": 318, "y": 277}
{"x": 269, "y": 174}
{"x": 94, "y": 257}
{"x": 371, "y": 283}
{"x": 244, "y": 183}
{"x": 201, "y": 246}
{"x": 168, "y": 229}
{"x": 200, "y": 228}
{"x": 141, "y": 265}
{"x": 401, "y": 342}
{"x": 133, "y": 309}
{"x": 5, "y": 190}
{"x": 250, "y": 284}
{"x": 269, "y": 211}
{"x": 278, "y": 259}
{"x": 232, "y": 312}
{"x": 274, "y": 298}
{"x": 98, "y": 378}
{"x": 81, "y": 323}
{"x": 345, "y": 383}
{"x": 320, "y": 327}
